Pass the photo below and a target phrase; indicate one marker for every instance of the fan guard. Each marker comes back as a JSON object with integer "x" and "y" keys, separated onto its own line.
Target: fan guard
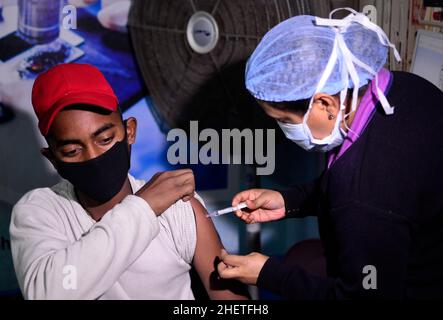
{"x": 192, "y": 55}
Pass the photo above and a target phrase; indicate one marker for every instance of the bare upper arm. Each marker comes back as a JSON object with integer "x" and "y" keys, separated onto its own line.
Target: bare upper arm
{"x": 207, "y": 256}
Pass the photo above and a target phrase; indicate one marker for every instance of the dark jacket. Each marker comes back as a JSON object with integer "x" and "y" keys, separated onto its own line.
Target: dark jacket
{"x": 380, "y": 204}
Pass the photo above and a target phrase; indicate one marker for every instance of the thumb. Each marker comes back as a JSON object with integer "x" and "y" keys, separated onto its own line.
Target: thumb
{"x": 256, "y": 203}
{"x": 229, "y": 273}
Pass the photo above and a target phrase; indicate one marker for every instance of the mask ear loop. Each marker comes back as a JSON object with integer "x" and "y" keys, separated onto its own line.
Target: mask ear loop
{"x": 346, "y": 54}
{"x": 325, "y": 76}
{"x": 350, "y": 68}
{"x": 328, "y": 70}
{"x": 337, "y": 26}
{"x": 343, "y": 96}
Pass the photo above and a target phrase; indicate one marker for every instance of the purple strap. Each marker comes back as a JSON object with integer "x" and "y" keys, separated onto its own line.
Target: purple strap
{"x": 363, "y": 115}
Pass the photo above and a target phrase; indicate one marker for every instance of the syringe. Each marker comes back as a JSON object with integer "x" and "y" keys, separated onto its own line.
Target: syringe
{"x": 217, "y": 213}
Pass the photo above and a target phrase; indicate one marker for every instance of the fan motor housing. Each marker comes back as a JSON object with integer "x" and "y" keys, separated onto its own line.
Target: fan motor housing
{"x": 202, "y": 32}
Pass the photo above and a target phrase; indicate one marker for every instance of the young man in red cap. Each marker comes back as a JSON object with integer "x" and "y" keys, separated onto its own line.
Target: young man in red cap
{"x": 100, "y": 233}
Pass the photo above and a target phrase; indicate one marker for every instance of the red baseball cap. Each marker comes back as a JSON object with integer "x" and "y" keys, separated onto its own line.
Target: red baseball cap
{"x": 68, "y": 84}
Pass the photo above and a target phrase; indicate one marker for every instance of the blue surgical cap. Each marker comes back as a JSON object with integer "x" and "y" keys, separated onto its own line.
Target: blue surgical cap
{"x": 290, "y": 59}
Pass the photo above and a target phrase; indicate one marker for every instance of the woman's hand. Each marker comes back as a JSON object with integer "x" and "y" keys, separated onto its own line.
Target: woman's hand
{"x": 263, "y": 205}
{"x": 243, "y": 268}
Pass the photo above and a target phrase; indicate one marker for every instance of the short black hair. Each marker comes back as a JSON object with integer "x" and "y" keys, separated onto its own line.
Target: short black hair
{"x": 301, "y": 106}
{"x": 294, "y": 106}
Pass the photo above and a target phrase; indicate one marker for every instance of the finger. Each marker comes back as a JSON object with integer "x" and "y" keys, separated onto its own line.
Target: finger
{"x": 223, "y": 255}
{"x": 184, "y": 185}
{"x": 187, "y": 177}
{"x": 230, "y": 273}
{"x": 175, "y": 173}
{"x": 221, "y": 266}
{"x": 187, "y": 189}
{"x": 257, "y": 203}
{"x": 187, "y": 198}
{"x": 240, "y": 197}
{"x": 233, "y": 260}
{"x": 245, "y": 216}
{"x": 240, "y": 214}
{"x": 250, "y": 220}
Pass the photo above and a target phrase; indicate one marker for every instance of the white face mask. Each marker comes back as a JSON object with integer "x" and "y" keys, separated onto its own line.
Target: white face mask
{"x": 302, "y": 136}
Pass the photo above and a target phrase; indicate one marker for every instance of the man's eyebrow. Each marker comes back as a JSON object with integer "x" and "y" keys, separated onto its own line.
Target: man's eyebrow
{"x": 107, "y": 126}
{"x": 102, "y": 129}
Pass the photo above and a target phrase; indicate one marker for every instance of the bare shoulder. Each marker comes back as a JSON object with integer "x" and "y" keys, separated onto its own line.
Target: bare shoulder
{"x": 205, "y": 226}
{"x": 207, "y": 256}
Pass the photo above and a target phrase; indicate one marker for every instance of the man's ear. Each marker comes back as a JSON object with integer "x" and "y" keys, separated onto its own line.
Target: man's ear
{"x": 327, "y": 102}
{"x": 48, "y": 155}
{"x": 131, "y": 130}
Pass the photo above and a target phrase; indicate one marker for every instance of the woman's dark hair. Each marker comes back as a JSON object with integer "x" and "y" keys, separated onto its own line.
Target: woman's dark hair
{"x": 301, "y": 106}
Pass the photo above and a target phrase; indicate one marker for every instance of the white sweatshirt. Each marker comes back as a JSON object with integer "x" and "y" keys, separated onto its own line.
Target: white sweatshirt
{"x": 60, "y": 252}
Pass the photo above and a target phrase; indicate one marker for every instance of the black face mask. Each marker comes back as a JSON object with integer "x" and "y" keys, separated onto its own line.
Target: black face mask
{"x": 100, "y": 178}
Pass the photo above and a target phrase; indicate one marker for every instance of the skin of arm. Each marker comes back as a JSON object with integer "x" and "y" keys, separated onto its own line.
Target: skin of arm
{"x": 206, "y": 257}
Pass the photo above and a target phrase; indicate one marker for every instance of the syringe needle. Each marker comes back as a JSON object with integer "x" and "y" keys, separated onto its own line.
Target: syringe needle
{"x": 217, "y": 213}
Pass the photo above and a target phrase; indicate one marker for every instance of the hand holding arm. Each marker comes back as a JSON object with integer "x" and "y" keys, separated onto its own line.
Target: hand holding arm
{"x": 243, "y": 268}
